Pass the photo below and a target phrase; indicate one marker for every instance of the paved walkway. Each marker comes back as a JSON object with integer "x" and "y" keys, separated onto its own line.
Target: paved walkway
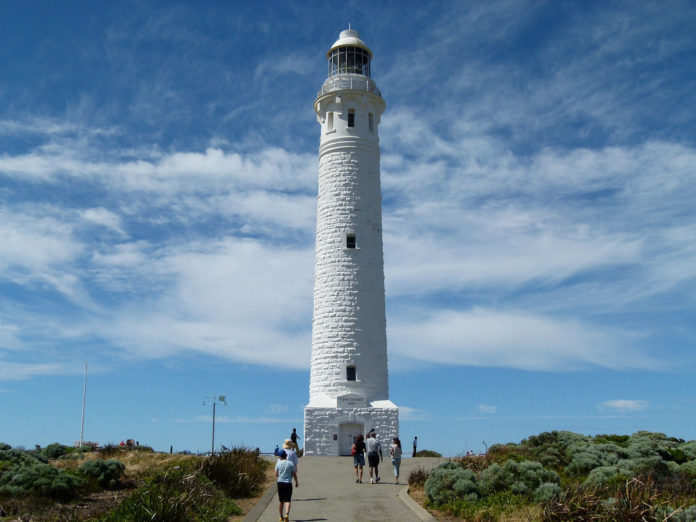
{"x": 328, "y": 491}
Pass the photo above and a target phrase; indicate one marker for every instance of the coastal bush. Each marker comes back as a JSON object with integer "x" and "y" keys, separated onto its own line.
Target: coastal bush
{"x": 671, "y": 514}
{"x": 178, "y": 495}
{"x": 547, "y": 492}
{"x": 107, "y": 473}
{"x": 604, "y": 475}
{"x": 239, "y": 472}
{"x": 55, "y": 450}
{"x": 449, "y": 482}
{"x": 417, "y": 477}
{"x": 521, "y": 478}
{"x": 28, "y": 476}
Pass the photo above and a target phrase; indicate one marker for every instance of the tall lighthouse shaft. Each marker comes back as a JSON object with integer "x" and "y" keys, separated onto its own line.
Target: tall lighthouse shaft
{"x": 349, "y": 378}
{"x": 349, "y": 346}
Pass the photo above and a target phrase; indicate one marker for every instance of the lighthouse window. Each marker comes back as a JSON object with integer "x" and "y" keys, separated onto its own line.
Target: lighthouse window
{"x": 350, "y": 241}
{"x": 371, "y": 122}
{"x": 351, "y": 60}
{"x": 329, "y": 121}
{"x": 351, "y": 373}
{"x": 351, "y": 117}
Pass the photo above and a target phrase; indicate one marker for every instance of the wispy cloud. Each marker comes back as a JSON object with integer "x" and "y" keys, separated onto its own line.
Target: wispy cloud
{"x": 623, "y": 405}
{"x": 407, "y": 413}
{"x": 12, "y": 371}
{"x": 487, "y": 408}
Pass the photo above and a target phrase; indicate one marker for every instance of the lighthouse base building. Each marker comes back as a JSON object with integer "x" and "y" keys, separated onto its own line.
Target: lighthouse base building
{"x": 332, "y": 430}
{"x": 348, "y": 392}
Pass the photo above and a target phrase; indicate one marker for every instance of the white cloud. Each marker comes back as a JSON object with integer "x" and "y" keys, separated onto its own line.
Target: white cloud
{"x": 103, "y": 217}
{"x": 277, "y": 408}
{"x": 623, "y": 405}
{"x": 487, "y": 408}
{"x": 485, "y": 337}
{"x": 12, "y": 371}
{"x": 406, "y": 413}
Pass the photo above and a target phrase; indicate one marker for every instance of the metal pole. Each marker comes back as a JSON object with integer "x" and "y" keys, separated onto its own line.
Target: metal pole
{"x": 212, "y": 449}
{"x": 84, "y": 397}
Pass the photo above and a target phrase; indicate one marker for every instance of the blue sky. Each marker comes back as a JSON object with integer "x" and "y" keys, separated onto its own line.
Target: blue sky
{"x": 158, "y": 172}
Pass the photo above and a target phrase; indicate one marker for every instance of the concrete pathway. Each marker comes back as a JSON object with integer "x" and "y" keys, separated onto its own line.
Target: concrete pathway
{"x": 328, "y": 491}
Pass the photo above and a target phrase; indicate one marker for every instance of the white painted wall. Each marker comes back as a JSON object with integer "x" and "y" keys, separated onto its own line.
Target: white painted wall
{"x": 349, "y": 324}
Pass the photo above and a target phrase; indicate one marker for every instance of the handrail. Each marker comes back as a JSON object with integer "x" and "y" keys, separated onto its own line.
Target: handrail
{"x": 352, "y": 82}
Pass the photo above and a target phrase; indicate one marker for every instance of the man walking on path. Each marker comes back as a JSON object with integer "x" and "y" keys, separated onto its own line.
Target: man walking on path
{"x": 415, "y": 445}
{"x": 374, "y": 455}
{"x": 285, "y": 472}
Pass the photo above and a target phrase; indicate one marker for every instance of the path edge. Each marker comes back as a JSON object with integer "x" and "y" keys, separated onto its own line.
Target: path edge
{"x": 414, "y": 506}
{"x": 256, "y": 512}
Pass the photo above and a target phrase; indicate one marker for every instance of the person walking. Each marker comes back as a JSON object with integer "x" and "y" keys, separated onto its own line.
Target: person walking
{"x": 395, "y": 452}
{"x": 358, "y": 452}
{"x": 293, "y": 437}
{"x": 289, "y": 448}
{"x": 285, "y": 472}
{"x": 374, "y": 455}
{"x": 415, "y": 446}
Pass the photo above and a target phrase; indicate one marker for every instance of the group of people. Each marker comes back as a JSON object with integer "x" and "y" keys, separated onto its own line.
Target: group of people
{"x": 286, "y": 467}
{"x": 373, "y": 449}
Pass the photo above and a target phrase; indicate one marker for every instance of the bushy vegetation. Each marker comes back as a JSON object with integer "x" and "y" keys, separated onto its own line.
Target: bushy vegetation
{"x": 40, "y": 484}
{"x": 107, "y": 473}
{"x": 645, "y": 476}
{"x": 238, "y": 472}
{"x": 23, "y": 474}
{"x": 201, "y": 490}
{"x": 177, "y": 495}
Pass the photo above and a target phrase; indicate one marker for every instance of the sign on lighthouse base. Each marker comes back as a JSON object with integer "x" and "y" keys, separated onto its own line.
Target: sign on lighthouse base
{"x": 332, "y": 430}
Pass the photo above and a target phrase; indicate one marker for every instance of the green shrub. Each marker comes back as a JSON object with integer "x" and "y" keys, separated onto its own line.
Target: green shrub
{"x": 53, "y": 451}
{"x": 547, "y": 492}
{"x": 520, "y": 477}
{"x": 688, "y": 468}
{"x": 449, "y": 482}
{"x": 107, "y": 473}
{"x": 688, "y": 449}
{"x": 428, "y": 453}
{"x": 32, "y": 477}
{"x": 605, "y": 475}
{"x": 591, "y": 456}
{"x": 239, "y": 472}
{"x": 676, "y": 515}
{"x": 176, "y": 496}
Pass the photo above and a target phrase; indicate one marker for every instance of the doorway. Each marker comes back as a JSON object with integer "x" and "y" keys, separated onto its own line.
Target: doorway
{"x": 346, "y": 437}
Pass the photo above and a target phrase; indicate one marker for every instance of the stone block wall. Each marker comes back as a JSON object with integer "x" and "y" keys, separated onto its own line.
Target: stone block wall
{"x": 321, "y": 424}
{"x": 349, "y": 317}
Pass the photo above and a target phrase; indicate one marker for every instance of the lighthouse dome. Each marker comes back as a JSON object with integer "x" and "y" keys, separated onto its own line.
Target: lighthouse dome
{"x": 349, "y": 38}
{"x": 349, "y": 55}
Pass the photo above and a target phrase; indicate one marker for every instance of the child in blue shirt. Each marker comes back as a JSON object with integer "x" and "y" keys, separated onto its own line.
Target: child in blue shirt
{"x": 285, "y": 472}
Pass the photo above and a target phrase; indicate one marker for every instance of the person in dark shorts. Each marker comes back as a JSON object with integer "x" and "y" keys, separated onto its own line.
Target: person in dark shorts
{"x": 374, "y": 455}
{"x": 359, "y": 457}
{"x": 285, "y": 472}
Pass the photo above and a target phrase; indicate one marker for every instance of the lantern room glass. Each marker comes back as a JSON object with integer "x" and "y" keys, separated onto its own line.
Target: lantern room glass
{"x": 349, "y": 60}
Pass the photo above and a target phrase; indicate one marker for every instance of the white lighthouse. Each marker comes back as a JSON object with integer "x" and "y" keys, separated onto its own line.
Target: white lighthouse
{"x": 349, "y": 389}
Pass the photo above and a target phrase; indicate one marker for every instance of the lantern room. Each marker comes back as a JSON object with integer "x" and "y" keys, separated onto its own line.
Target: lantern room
{"x": 349, "y": 55}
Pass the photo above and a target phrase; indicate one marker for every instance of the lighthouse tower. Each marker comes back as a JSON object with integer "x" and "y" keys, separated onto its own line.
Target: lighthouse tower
{"x": 348, "y": 391}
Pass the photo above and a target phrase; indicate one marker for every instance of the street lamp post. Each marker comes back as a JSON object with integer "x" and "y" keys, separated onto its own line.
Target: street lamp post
{"x": 215, "y": 400}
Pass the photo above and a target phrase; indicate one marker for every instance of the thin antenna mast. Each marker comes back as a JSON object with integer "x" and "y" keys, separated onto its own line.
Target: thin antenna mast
{"x": 84, "y": 397}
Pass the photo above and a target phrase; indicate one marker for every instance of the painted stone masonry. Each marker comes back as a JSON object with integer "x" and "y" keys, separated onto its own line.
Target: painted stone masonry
{"x": 349, "y": 392}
